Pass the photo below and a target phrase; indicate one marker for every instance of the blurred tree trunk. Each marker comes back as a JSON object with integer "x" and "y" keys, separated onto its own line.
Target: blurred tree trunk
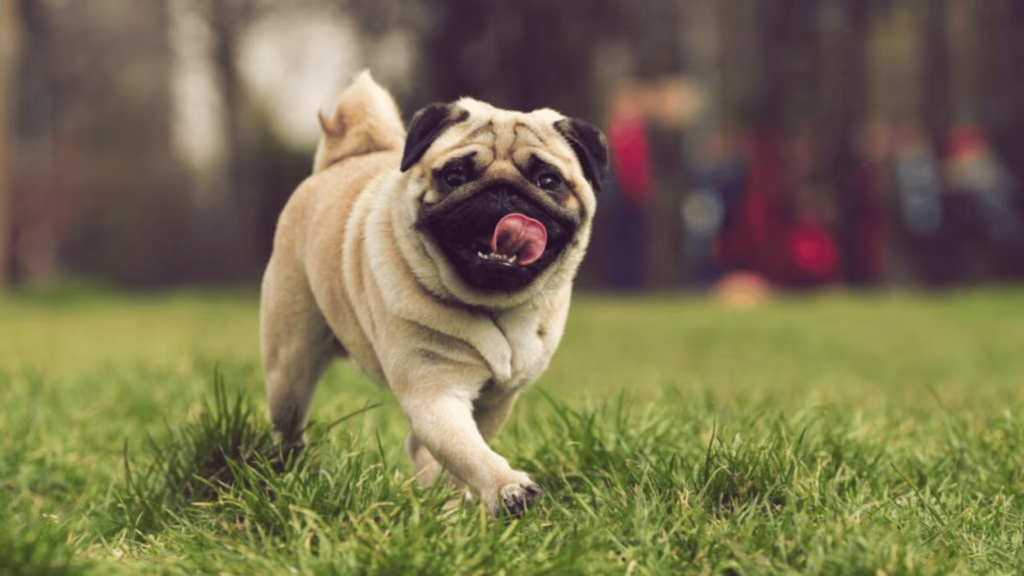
{"x": 967, "y": 66}
{"x": 515, "y": 55}
{"x": 790, "y": 43}
{"x": 235, "y": 215}
{"x": 8, "y": 63}
{"x": 786, "y": 123}
{"x": 936, "y": 66}
{"x": 1005, "y": 82}
{"x": 226, "y": 22}
{"x": 843, "y": 47}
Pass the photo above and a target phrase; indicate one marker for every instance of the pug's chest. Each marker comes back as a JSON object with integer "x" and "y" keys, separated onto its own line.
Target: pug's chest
{"x": 532, "y": 347}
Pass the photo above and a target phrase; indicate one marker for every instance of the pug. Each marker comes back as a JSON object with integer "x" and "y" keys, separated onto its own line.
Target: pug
{"x": 440, "y": 261}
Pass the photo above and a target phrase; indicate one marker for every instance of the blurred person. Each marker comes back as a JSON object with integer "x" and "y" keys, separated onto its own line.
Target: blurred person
{"x": 812, "y": 256}
{"x": 631, "y": 187}
{"x": 751, "y": 233}
{"x": 918, "y": 184}
{"x": 719, "y": 176}
{"x": 959, "y": 213}
{"x": 779, "y": 216}
{"x": 869, "y": 226}
{"x": 980, "y": 207}
{"x": 673, "y": 103}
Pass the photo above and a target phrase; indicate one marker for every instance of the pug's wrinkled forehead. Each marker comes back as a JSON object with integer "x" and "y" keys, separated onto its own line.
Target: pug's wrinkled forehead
{"x": 495, "y": 139}
{"x": 492, "y": 136}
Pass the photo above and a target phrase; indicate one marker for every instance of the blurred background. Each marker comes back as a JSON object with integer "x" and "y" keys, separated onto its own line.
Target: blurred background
{"x": 801, "y": 143}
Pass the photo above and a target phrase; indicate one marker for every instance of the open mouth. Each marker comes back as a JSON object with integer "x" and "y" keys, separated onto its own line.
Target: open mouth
{"x": 498, "y": 239}
{"x": 517, "y": 238}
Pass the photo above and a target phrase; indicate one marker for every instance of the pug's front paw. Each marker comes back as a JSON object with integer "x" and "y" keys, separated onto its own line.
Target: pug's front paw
{"x": 514, "y": 499}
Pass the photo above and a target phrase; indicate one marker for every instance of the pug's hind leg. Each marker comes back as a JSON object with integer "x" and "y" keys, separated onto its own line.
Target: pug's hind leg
{"x": 491, "y": 416}
{"x": 297, "y": 345}
{"x": 428, "y": 469}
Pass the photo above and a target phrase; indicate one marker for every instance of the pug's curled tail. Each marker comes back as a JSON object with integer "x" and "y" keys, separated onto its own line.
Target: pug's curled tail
{"x": 365, "y": 119}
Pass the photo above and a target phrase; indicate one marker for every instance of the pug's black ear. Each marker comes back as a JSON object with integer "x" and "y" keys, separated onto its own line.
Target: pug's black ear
{"x": 590, "y": 146}
{"x": 426, "y": 126}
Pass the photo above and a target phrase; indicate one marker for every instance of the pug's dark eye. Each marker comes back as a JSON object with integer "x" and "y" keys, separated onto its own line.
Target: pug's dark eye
{"x": 454, "y": 177}
{"x": 549, "y": 182}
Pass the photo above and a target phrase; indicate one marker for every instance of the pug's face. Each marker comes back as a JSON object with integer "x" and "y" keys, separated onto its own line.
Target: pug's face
{"x": 503, "y": 200}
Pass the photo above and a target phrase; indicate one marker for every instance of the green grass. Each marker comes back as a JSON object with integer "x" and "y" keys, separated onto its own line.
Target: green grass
{"x": 837, "y": 434}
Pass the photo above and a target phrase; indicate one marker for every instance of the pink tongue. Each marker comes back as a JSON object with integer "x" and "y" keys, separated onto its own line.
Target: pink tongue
{"x": 521, "y": 236}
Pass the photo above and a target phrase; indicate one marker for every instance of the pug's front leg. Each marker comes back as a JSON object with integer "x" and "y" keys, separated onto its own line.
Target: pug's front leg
{"x": 442, "y": 419}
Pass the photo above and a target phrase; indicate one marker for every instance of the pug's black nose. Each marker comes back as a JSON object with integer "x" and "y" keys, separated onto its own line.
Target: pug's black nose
{"x": 501, "y": 198}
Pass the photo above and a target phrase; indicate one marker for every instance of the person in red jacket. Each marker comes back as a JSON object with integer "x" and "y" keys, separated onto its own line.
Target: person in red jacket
{"x": 632, "y": 189}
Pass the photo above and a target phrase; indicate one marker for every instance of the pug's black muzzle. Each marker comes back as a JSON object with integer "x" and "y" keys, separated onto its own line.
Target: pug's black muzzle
{"x": 463, "y": 230}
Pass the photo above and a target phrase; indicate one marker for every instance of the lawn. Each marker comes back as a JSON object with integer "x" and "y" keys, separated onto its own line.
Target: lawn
{"x": 863, "y": 434}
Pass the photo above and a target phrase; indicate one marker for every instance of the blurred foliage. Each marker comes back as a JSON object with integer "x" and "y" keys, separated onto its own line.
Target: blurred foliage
{"x": 96, "y": 188}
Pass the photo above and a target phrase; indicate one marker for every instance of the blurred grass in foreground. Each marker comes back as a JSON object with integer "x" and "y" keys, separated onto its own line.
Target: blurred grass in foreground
{"x": 838, "y": 433}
